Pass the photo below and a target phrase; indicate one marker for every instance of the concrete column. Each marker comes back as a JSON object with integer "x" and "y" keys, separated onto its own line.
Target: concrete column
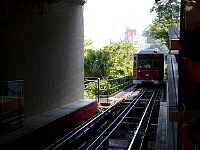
{"x": 42, "y": 44}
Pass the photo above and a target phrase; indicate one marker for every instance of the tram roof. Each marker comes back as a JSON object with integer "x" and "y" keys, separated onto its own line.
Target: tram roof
{"x": 149, "y": 51}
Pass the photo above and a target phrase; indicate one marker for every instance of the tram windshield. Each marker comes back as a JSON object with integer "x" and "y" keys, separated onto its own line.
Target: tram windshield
{"x": 147, "y": 64}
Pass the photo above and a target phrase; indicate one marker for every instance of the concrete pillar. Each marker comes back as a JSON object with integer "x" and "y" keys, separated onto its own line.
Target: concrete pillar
{"x": 42, "y": 44}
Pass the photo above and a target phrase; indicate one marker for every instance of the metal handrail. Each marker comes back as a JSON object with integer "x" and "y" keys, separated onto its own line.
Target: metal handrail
{"x": 116, "y": 88}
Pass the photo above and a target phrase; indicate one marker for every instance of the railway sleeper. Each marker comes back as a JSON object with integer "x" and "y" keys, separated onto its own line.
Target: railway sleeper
{"x": 122, "y": 135}
{"x": 137, "y": 113}
{"x": 153, "y": 127}
{"x": 114, "y": 146}
{"x": 122, "y": 106}
{"x": 131, "y": 119}
{"x": 146, "y": 96}
{"x": 142, "y": 103}
{"x": 156, "y": 107}
{"x": 145, "y": 99}
{"x": 125, "y": 103}
{"x": 117, "y": 144}
{"x": 127, "y": 126}
{"x": 139, "y": 107}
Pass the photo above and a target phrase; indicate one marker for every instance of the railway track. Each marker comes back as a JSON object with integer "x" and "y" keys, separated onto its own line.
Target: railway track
{"x": 129, "y": 124}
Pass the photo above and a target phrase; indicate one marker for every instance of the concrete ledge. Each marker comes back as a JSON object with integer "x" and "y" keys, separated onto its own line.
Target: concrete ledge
{"x": 49, "y": 126}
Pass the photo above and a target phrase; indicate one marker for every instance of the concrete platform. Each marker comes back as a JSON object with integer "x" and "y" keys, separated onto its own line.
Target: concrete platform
{"x": 40, "y": 130}
{"x": 116, "y": 97}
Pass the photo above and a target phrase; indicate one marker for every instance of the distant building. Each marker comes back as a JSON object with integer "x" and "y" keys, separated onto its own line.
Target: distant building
{"x": 133, "y": 36}
{"x": 130, "y": 34}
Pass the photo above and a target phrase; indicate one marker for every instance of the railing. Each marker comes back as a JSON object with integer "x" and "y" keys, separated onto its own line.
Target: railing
{"x": 91, "y": 87}
{"x": 11, "y": 105}
{"x": 96, "y": 89}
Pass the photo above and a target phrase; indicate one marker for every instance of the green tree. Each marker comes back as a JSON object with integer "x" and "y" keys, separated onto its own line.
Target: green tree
{"x": 87, "y": 46}
{"x": 168, "y": 14}
{"x": 114, "y": 60}
{"x": 154, "y": 43}
{"x": 121, "y": 58}
{"x": 96, "y": 63}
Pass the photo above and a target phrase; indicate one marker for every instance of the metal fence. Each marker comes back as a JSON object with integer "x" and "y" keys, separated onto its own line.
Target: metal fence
{"x": 96, "y": 89}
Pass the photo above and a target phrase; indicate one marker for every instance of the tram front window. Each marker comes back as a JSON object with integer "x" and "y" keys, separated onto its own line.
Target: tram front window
{"x": 148, "y": 64}
{"x": 141, "y": 64}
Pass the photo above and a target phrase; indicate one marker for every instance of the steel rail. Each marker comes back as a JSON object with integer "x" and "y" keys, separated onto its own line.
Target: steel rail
{"x": 118, "y": 119}
{"x": 71, "y": 135}
{"x": 141, "y": 121}
{"x": 80, "y": 140}
{"x": 148, "y": 121}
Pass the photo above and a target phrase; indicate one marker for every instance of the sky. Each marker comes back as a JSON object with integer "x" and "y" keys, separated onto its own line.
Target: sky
{"x": 106, "y": 20}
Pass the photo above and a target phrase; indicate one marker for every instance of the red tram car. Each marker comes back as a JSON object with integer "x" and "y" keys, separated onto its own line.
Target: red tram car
{"x": 148, "y": 67}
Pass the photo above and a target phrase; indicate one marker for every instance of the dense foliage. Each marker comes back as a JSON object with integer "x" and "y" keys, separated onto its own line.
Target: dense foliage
{"x": 97, "y": 63}
{"x": 114, "y": 60}
{"x": 112, "y": 64}
{"x": 168, "y": 14}
{"x": 122, "y": 58}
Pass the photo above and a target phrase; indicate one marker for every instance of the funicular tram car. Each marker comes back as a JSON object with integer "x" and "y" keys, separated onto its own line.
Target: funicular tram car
{"x": 148, "y": 67}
